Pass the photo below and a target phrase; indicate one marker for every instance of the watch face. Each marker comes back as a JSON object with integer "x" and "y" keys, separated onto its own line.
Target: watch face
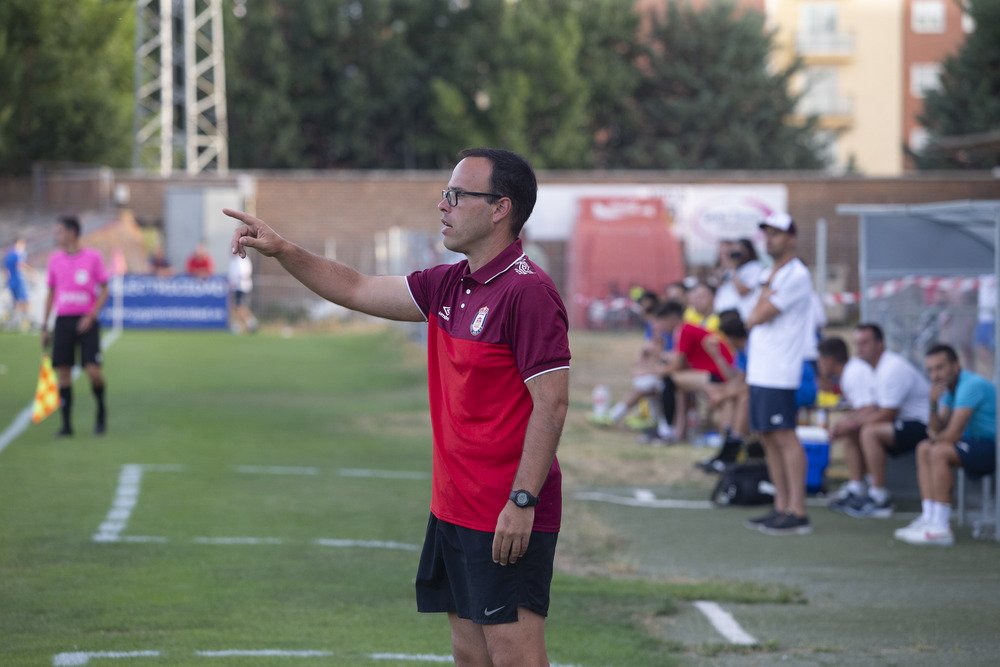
{"x": 522, "y": 499}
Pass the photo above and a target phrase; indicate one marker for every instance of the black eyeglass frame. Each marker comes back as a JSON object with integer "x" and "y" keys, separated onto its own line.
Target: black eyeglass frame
{"x": 448, "y": 195}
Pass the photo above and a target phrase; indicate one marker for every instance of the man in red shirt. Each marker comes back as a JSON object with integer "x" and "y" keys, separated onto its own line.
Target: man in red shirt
{"x": 498, "y": 380}
{"x": 698, "y": 359}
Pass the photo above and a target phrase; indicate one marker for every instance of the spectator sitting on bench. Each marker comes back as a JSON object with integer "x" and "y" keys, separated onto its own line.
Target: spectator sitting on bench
{"x": 646, "y": 383}
{"x": 699, "y": 359}
{"x": 730, "y": 401}
{"x": 896, "y": 427}
{"x": 961, "y": 434}
{"x": 856, "y": 380}
{"x": 700, "y": 309}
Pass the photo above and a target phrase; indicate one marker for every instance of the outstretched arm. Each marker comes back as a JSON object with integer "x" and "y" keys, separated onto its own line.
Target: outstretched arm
{"x": 382, "y": 296}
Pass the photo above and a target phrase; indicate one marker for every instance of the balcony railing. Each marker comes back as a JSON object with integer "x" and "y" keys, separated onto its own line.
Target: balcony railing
{"x": 826, "y": 106}
{"x": 825, "y": 44}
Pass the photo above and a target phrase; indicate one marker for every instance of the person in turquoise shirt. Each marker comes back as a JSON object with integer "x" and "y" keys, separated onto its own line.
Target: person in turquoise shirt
{"x": 962, "y": 433}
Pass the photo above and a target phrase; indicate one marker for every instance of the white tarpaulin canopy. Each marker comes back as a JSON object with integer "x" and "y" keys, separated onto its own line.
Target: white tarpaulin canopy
{"x": 947, "y": 239}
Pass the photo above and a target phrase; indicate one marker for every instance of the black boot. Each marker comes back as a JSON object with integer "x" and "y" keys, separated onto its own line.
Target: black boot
{"x": 66, "y": 406}
{"x": 727, "y": 454}
{"x": 101, "y": 424}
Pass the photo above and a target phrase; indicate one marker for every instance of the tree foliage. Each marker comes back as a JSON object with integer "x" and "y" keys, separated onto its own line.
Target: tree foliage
{"x": 968, "y": 101}
{"x": 65, "y": 81}
{"x": 707, "y": 100}
{"x": 408, "y": 83}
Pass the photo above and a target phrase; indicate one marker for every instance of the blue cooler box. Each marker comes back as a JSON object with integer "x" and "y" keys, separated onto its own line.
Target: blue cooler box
{"x": 816, "y": 441}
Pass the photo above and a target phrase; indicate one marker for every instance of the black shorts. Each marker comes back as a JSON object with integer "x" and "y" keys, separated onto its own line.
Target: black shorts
{"x": 908, "y": 434}
{"x": 772, "y": 409}
{"x": 978, "y": 456}
{"x": 457, "y": 574}
{"x": 239, "y": 297}
{"x": 65, "y": 340}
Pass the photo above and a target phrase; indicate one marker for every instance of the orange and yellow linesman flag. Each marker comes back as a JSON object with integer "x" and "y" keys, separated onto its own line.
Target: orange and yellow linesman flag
{"x": 47, "y": 392}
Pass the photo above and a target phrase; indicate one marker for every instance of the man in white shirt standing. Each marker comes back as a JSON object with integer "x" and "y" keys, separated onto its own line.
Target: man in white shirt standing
{"x": 857, "y": 385}
{"x": 902, "y": 396}
{"x": 775, "y": 353}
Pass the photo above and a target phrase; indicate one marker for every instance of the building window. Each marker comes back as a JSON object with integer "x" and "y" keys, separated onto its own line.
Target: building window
{"x": 919, "y": 136}
{"x": 818, "y": 18}
{"x": 968, "y": 23}
{"x": 924, "y": 77}
{"x": 927, "y": 16}
{"x": 821, "y": 93}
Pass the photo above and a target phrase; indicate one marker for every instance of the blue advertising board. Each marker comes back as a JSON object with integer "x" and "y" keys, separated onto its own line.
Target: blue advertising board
{"x": 180, "y": 302}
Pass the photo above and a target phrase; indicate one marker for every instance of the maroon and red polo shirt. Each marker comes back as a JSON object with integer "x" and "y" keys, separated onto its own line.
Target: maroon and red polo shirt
{"x": 489, "y": 332}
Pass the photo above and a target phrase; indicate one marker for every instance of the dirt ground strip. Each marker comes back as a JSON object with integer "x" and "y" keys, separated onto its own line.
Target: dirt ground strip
{"x": 871, "y": 600}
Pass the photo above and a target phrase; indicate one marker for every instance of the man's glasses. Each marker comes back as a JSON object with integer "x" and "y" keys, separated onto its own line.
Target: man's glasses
{"x": 451, "y": 196}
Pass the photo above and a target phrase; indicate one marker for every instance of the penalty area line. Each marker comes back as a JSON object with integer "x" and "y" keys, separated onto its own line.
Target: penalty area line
{"x": 80, "y": 658}
{"x": 724, "y": 622}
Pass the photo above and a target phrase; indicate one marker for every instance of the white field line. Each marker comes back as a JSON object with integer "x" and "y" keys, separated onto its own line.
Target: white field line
{"x": 127, "y": 497}
{"x": 724, "y": 622}
{"x": 644, "y": 498}
{"x": 343, "y": 472}
{"x": 382, "y": 474}
{"x": 23, "y": 418}
{"x": 263, "y": 653}
{"x": 78, "y": 658}
{"x": 277, "y": 470}
{"x": 83, "y": 657}
{"x": 370, "y": 544}
{"x": 16, "y": 427}
{"x": 238, "y": 540}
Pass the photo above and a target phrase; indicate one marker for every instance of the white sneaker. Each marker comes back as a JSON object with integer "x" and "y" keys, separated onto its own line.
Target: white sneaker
{"x": 840, "y": 494}
{"x": 915, "y": 526}
{"x": 931, "y": 534}
{"x": 666, "y": 432}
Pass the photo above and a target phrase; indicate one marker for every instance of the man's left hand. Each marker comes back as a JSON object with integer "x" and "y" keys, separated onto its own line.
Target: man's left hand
{"x": 510, "y": 541}
{"x": 85, "y": 323}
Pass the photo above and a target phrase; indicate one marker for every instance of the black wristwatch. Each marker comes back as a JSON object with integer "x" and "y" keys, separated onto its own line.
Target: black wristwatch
{"x": 522, "y": 498}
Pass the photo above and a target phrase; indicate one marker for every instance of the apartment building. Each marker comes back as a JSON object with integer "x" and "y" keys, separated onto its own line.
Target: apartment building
{"x": 867, "y": 66}
{"x": 934, "y": 29}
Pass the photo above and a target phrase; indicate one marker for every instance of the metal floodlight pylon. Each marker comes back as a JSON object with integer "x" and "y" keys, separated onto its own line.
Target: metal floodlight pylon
{"x": 153, "y": 111}
{"x": 201, "y": 142}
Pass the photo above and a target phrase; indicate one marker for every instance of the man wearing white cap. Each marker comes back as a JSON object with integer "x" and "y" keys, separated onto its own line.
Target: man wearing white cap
{"x": 775, "y": 352}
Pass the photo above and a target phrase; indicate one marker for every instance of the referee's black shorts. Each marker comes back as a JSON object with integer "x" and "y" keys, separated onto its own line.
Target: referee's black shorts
{"x": 457, "y": 574}
{"x": 66, "y": 339}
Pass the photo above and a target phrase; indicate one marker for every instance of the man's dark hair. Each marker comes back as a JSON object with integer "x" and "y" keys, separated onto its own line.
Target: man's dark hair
{"x": 711, "y": 288}
{"x": 668, "y": 308}
{"x": 834, "y": 348}
{"x": 651, "y": 300}
{"x": 731, "y": 324}
{"x": 749, "y": 252}
{"x": 874, "y": 328}
{"x": 512, "y": 177}
{"x": 946, "y": 350}
{"x": 70, "y": 222}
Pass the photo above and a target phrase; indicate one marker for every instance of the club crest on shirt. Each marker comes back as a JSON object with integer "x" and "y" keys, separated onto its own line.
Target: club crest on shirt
{"x": 477, "y": 324}
{"x": 522, "y": 268}
{"x": 81, "y": 276}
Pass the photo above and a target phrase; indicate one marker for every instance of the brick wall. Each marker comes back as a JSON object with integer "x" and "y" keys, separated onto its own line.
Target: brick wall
{"x": 351, "y": 206}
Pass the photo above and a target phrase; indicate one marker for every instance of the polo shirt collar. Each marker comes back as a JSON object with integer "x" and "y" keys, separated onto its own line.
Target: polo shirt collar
{"x": 507, "y": 258}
